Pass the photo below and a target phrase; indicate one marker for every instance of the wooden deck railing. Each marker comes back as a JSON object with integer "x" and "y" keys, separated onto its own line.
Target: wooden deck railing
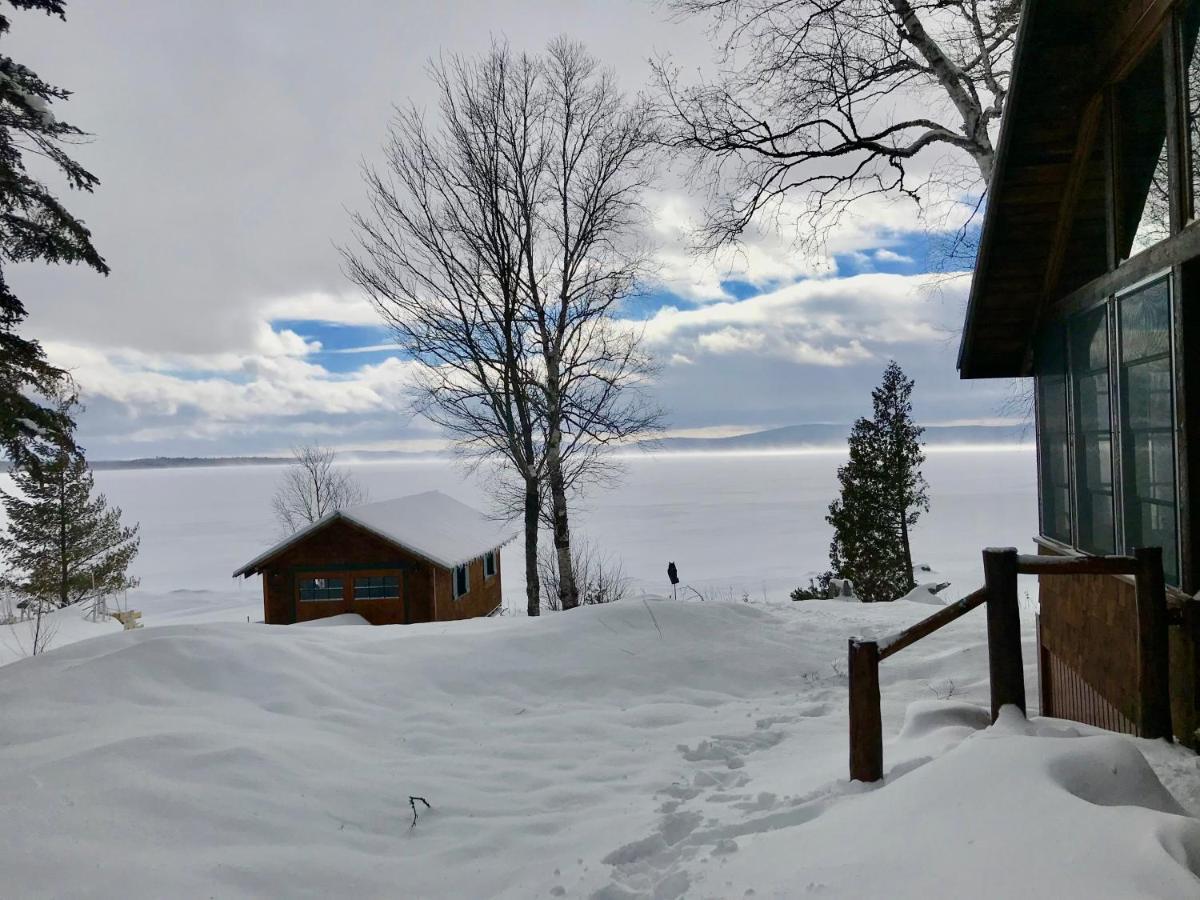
{"x": 1006, "y": 670}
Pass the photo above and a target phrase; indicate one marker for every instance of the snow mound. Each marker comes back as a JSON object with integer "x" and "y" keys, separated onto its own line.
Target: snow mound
{"x": 334, "y": 621}
{"x": 926, "y": 717}
{"x": 1008, "y": 813}
{"x": 926, "y": 593}
{"x": 60, "y": 627}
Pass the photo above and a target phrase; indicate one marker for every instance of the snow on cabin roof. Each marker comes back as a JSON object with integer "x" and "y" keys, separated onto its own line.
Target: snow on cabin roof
{"x": 432, "y": 525}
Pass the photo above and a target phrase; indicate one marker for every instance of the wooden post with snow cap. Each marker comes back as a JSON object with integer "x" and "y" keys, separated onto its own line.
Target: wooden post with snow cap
{"x": 1154, "y": 704}
{"x": 1005, "y": 668}
{"x": 866, "y": 722}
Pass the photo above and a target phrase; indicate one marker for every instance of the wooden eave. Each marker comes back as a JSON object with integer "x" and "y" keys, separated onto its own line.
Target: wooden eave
{"x": 1067, "y": 53}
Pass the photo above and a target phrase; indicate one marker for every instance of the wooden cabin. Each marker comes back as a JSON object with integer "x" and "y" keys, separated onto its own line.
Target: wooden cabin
{"x": 1088, "y": 280}
{"x": 423, "y": 558}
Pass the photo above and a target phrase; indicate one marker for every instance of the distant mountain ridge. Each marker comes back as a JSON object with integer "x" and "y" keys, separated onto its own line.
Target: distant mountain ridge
{"x": 797, "y": 437}
{"x": 790, "y": 437}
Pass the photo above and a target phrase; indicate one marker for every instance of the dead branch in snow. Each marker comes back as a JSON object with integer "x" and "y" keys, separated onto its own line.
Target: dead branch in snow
{"x": 412, "y": 801}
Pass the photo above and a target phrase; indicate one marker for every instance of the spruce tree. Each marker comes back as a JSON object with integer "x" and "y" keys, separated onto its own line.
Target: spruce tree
{"x": 883, "y": 493}
{"x": 64, "y": 543}
{"x": 34, "y": 225}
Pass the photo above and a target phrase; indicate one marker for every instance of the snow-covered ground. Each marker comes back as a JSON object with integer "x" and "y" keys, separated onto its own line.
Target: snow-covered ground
{"x": 655, "y": 749}
{"x": 651, "y": 748}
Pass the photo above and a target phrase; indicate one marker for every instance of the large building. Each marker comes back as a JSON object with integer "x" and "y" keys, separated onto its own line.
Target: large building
{"x": 1088, "y": 279}
{"x": 424, "y": 558}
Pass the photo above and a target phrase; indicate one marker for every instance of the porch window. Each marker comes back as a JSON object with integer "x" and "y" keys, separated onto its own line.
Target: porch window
{"x": 1093, "y": 432}
{"x": 489, "y": 564}
{"x": 1148, "y": 422}
{"x": 377, "y": 587}
{"x": 462, "y": 581}
{"x": 318, "y": 589}
{"x": 1053, "y": 438}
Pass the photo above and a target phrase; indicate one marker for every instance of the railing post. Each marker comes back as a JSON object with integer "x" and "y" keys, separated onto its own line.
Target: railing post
{"x": 866, "y": 722}
{"x": 1006, "y": 670}
{"x": 1154, "y": 672}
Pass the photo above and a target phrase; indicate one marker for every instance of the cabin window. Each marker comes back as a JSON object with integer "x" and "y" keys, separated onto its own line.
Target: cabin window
{"x": 322, "y": 588}
{"x": 1053, "y": 440}
{"x": 462, "y": 581}
{"x": 377, "y": 587}
{"x": 1148, "y": 422}
{"x": 489, "y": 565}
{"x": 1093, "y": 432}
{"x": 1143, "y": 209}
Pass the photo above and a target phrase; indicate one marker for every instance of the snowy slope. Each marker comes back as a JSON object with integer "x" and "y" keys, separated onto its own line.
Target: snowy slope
{"x": 179, "y": 607}
{"x": 655, "y": 749}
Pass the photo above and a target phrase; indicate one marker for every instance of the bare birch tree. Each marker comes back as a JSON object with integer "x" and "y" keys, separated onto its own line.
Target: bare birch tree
{"x": 439, "y": 254}
{"x": 312, "y": 487}
{"x": 583, "y": 262}
{"x": 830, "y": 102}
{"x": 461, "y": 253}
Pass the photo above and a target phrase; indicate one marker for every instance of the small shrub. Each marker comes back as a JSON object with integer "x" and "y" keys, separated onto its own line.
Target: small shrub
{"x": 600, "y": 578}
{"x": 818, "y": 588}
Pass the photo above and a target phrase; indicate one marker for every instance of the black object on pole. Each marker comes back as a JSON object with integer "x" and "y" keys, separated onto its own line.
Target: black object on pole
{"x": 673, "y": 574}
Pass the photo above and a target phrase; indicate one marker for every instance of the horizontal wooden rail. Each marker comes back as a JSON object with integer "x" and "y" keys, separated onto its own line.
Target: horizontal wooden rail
{"x": 1005, "y": 669}
{"x": 944, "y": 616}
{"x": 1077, "y": 565}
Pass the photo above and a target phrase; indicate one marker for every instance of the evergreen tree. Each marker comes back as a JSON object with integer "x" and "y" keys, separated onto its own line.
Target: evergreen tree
{"x": 34, "y": 225}
{"x": 64, "y": 544}
{"x": 883, "y": 493}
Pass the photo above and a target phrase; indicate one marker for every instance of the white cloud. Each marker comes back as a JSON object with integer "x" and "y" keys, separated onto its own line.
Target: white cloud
{"x": 731, "y": 340}
{"x": 822, "y": 322}
{"x": 205, "y": 397}
{"x": 889, "y": 256}
{"x": 763, "y": 258}
{"x": 349, "y": 308}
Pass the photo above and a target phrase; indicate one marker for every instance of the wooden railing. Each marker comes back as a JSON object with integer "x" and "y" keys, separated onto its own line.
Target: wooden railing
{"x": 1006, "y": 669}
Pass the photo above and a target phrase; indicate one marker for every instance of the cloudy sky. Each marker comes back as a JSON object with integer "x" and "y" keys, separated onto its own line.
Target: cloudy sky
{"x": 229, "y": 136}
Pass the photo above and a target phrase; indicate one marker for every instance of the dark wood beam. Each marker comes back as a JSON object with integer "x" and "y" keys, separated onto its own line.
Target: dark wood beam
{"x": 1174, "y": 251}
{"x": 1089, "y": 127}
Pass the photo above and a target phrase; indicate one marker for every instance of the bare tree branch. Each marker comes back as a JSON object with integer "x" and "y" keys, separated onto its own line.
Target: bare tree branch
{"x": 312, "y": 488}
{"x": 825, "y": 103}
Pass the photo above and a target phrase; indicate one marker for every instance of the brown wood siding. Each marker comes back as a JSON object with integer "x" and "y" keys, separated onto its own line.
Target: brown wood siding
{"x": 1088, "y": 654}
{"x": 1089, "y": 633}
{"x": 482, "y": 597}
{"x": 327, "y": 551}
{"x": 345, "y": 550}
{"x": 1184, "y": 642}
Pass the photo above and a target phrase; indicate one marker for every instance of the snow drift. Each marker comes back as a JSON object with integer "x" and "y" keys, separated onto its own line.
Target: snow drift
{"x": 637, "y": 750}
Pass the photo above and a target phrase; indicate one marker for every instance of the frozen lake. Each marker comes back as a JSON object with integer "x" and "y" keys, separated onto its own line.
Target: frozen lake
{"x": 734, "y": 524}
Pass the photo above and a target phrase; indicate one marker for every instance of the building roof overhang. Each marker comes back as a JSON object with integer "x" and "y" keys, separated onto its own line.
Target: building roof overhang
{"x": 1067, "y": 52}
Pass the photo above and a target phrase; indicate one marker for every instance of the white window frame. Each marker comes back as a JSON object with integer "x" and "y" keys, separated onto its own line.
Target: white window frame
{"x": 489, "y": 564}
